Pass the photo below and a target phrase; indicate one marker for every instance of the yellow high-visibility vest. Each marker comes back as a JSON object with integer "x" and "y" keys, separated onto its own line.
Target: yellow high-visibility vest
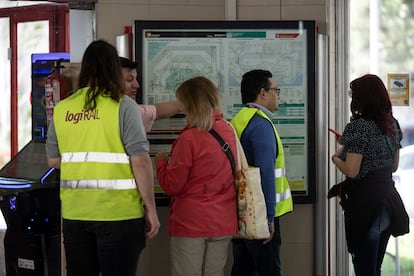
{"x": 284, "y": 202}
{"x": 97, "y": 183}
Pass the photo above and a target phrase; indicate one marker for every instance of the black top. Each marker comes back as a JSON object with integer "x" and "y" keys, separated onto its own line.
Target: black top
{"x": 364, "y": 137}
{"x": 362, "y": 199}
{"x": 373, "y": 188}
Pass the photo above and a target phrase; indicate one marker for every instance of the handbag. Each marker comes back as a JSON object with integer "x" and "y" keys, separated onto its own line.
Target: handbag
{"x": 251, "y": 205}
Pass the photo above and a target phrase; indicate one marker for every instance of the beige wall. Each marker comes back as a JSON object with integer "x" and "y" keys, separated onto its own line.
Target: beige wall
{"x": 111, "y": 15}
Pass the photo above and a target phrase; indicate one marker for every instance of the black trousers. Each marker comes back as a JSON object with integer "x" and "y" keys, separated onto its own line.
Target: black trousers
{"x": 253, "y": 258}
{"x": 111, "y": 248}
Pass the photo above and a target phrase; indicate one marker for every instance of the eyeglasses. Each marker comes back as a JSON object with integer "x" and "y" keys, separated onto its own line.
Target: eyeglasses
{"x": 277, "y": 90}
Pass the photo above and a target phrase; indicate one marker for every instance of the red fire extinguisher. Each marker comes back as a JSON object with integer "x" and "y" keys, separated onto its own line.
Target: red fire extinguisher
{"x": 56, "y": 89}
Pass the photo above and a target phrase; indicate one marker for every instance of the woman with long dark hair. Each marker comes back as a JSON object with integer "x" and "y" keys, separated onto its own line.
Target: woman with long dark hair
{"x": 373, "y": 209}
{"x": 98, "y": 142}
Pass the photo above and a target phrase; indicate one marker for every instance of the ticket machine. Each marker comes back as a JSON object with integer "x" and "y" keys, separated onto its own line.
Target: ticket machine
{"x": 29, "y": 191}
{"x": 29, "y": 201}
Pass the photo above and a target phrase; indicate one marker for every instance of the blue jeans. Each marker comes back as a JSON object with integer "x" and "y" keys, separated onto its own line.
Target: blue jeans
{"x": 253, "y": 258}
{"x": 368, "y": 258}
{"x": 111, "y": 248}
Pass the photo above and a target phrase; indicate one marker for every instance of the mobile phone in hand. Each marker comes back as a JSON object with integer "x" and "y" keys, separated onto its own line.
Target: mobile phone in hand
{"x": 337, "y": 134}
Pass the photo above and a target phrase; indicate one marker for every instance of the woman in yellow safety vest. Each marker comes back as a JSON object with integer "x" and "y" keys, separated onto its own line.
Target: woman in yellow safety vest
{"x": 98, "y": 141}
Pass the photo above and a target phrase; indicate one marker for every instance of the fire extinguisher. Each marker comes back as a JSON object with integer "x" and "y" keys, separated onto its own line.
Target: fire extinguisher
{"x": 56, "y": 89}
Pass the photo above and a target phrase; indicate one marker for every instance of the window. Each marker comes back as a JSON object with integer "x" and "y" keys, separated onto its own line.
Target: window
{"x": 382, "y": 43}
{"x": 25, "y": 30}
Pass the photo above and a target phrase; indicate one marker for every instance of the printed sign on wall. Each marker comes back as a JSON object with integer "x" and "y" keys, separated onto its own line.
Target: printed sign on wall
{"x": 399, "y": 89}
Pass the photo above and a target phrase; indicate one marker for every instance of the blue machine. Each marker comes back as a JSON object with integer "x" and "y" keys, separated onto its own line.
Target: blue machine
{"x": 29, "y": 192}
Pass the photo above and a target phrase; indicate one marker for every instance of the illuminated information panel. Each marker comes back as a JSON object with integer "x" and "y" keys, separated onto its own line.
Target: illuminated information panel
{"x": 170, "y": 52}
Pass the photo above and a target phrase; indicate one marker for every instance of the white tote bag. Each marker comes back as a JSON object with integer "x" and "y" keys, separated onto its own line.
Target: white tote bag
{"x": 252, "y": 214}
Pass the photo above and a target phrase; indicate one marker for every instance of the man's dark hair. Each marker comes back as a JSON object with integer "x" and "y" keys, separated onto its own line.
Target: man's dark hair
{"x": 127, "y": 63}
{"x": 252, "y": 82}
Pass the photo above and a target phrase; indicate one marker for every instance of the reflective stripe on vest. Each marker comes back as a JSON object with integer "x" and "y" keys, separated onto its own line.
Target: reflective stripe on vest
{"x": 103, "y": 157}
{"x": 283, "y": 196}
{"x": 109, "y": 184}
{"x": 279, "y": 172}
{"x": 97, "y": 157}
{"x": 284, "y": 202}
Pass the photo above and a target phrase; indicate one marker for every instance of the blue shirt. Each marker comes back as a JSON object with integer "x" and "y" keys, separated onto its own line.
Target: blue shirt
{"x": 260, "y": 146}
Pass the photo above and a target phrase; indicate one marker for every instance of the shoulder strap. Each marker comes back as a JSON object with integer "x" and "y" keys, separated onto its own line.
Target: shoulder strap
{"x": 225, "y": 147}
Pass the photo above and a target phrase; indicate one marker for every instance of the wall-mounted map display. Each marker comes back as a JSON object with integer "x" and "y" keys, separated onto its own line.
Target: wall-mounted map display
{"x": 170, "y": 52}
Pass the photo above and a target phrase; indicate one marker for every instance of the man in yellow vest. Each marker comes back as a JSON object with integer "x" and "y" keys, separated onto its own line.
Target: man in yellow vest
{"x": 97, "y": 139}
{"x": 263, "y": 149}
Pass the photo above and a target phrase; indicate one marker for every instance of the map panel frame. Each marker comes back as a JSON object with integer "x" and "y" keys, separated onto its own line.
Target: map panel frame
{"x": 169, "y": 52}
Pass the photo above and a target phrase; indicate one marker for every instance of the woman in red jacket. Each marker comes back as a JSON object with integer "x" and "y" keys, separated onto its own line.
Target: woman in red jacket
{"x": 199, "y": 179}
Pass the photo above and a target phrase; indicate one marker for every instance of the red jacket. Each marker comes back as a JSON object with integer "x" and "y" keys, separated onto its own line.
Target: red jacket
{"x": 199, "y": 180}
